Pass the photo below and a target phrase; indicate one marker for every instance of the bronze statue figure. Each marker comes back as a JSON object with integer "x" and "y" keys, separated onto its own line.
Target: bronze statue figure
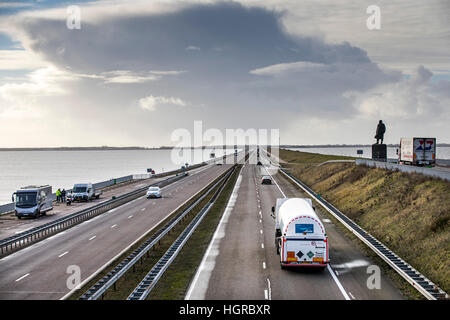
{"x": 381, "y": 129}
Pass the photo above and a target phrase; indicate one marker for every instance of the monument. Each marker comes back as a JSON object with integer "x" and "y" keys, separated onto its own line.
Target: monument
{"x": 379, "y": 150}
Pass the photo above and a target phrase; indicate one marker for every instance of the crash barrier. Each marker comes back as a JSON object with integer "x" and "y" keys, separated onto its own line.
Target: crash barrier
{"x": 23, "y": 239}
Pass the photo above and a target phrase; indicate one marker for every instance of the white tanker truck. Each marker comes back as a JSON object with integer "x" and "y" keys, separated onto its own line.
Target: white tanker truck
{"x": 300, "y": 236}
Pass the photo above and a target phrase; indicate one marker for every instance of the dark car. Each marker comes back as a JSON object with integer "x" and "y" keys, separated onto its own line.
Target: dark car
{"x": 266, "y": 180}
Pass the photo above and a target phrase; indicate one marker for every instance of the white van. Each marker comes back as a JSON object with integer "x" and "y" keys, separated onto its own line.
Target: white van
{"x": 300, "y": 236}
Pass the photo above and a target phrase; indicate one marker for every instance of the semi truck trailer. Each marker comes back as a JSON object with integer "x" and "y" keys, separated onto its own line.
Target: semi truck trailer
{"x": 300, "y": 237}
{"x": 417, "y": 151}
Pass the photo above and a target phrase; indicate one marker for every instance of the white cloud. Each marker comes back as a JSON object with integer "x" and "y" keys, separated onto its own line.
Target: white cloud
{"x": 286, "y": 68}
{"x": 413, "y": 98}
{"x": 125, "y": 76}
{"x": 151, "y": 102}
{"x": 20, "y": 60}
{"x": 193, "y": 48}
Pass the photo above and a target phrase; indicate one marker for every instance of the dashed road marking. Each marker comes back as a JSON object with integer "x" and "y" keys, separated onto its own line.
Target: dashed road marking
{"x": 92, "y": 238}
{"x": 22, "y": 277}
{"x": 63, "y": 254}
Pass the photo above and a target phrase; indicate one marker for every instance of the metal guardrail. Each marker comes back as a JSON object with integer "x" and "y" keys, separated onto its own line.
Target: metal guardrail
{"x": 109, "y": 280}
{"x": 16, "y": 242}
{"x": 426, "y": 287}
{"x": 151, "y": 279}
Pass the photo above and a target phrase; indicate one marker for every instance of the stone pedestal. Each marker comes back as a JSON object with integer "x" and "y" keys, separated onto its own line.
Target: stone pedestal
{"x": 379, "y": 152}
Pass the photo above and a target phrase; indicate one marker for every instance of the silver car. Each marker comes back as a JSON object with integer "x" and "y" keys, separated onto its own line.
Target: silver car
{"x": 154, "y": 192}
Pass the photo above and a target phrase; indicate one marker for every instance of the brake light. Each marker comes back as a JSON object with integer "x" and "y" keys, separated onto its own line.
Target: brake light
{"x": 291, "y": 254}
{"x": 434, "y": 156}
{"x": 415, "y": 156}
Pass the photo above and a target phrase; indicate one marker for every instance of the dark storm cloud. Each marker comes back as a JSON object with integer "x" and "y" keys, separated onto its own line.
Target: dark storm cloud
{"x": 229, "y": 39}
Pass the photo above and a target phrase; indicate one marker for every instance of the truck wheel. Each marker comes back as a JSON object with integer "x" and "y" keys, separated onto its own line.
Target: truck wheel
{"x": 19, "y": 217}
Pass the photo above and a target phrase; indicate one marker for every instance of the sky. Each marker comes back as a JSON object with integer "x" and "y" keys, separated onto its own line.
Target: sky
{"x": 136, "y": 71}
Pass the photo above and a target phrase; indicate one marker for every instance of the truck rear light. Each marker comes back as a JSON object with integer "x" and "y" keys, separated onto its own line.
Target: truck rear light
{"x": 434, "y": 156}
{"x": 415, "y": 156}
{"x": 291, "y": 254}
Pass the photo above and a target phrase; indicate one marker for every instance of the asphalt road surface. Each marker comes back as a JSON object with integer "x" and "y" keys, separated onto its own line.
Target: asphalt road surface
{"x": 241, "y": 262}
{"x": 48, "y": 269}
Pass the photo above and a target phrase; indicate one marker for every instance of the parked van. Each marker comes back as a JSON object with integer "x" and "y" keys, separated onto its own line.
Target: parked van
{"x": 32, "y": 201}
{"x": 84, "y": 192}
{"x": 300, "y": 237}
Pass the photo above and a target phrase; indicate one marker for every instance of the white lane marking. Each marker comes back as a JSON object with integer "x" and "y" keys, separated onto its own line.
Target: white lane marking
{"x": 326, "y": 220}
{"x": 261, "y": 231}
{"x": 63, "y": 254}
{"x": 264, "y": 265}
{"x": 269, "y": 289}
{"x": 113, "y": 226}
{"x": 112, "y": 210}
{"x": 353, "y": 297}
{"x": 22, "y": 277}
{"x": 92, "y": 238}
{"x": 341, "y": 288}
{"x": 129, "y": 217}
{"x": 262, "y": 245}
{"x": 143, "y": 209}
{"x": 266, "y": 294}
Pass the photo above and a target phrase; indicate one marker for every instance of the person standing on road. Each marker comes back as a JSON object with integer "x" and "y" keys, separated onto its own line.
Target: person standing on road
{"x": 63, "y": 195}
{"x": 58, "y": 195}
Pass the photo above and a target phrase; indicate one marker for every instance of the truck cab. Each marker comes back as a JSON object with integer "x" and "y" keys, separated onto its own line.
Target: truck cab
{"x": 32, "y": 201}
{"x": 300, "y": 237}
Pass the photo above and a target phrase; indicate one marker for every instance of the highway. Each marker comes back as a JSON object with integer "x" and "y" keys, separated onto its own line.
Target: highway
{"x": 40, "y": 271}
{"x": 241, "y": 262}
{"x": 11, "y": 225}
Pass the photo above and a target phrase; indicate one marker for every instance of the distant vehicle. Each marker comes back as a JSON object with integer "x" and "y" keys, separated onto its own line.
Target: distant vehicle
{"x": 417, "y": 151}
{"x": 84, "y": 192}
{"x": 32, "y": 201}
{"x": 154, "y": 192}
{"x": 266, "y": 180}
{"x": 300, "y": 237}
{"x": 259, "y": 163}
{"x": 219, "y": 163}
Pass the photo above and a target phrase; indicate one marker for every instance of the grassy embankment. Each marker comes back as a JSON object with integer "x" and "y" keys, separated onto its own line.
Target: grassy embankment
{"x": 410, "y": 213}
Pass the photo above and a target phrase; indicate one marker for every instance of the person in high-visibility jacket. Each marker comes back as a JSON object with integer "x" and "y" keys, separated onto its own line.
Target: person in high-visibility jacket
{"x": 58, "y": 195}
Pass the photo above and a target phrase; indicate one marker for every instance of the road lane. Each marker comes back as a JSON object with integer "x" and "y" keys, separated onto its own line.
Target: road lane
{"x": 93, "y": 243}
{"x": 246, "y": 266}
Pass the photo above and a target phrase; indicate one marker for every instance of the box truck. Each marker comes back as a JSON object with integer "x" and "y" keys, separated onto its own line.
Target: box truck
{"x": 417, "y": 151}
{"x": 32, "y": 201}
{"x": 300, "y": 237}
